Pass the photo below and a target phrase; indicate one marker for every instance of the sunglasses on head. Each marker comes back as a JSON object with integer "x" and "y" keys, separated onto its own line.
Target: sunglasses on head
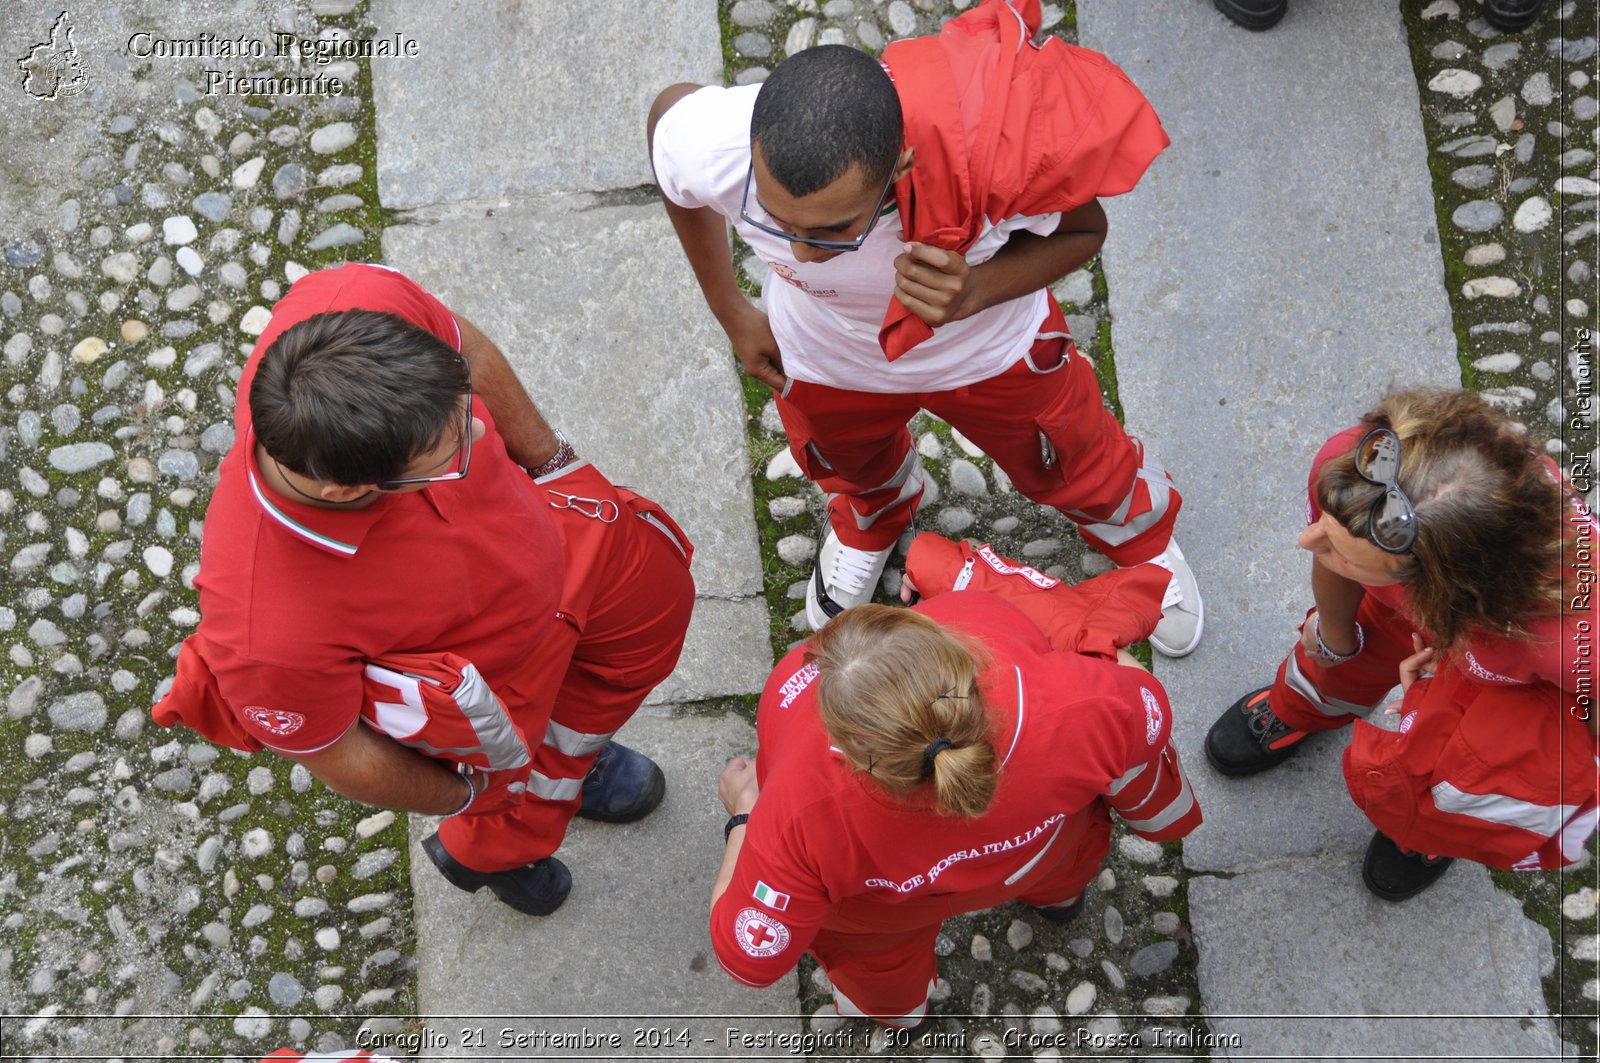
{"x": 1392, "y": 523}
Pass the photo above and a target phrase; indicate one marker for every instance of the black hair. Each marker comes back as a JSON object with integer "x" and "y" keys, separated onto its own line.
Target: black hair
{"x": 353, "y": 396}
{"x": 821, "y": 110}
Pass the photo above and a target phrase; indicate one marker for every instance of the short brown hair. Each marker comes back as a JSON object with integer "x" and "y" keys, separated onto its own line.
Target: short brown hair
{"x": 353, "y": 396}
{"x": 1490, "y": 514}
{"x": 890, "y": 683}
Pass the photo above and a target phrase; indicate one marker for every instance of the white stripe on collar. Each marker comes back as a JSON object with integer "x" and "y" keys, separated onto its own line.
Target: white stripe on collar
{"x": 347, "y": 549}
{"x": 1018, "y": 735}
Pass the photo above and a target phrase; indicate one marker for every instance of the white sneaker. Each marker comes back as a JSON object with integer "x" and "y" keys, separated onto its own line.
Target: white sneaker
{"x": 1183, "y": 615}
{"x": 844, "y": 577}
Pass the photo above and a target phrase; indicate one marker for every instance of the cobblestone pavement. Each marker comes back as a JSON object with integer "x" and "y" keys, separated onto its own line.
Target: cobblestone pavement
{"x": 158, "y": 897}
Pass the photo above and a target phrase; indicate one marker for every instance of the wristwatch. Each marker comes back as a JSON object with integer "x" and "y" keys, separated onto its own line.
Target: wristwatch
{"x": 737, "y": 820}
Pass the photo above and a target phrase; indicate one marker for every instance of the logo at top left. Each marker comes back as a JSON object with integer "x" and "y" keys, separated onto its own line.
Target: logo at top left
{"x": 54, "y": 69}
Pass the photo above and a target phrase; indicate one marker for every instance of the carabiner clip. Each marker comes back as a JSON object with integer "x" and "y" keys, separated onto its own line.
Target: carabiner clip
{"x": 603, "y": 510}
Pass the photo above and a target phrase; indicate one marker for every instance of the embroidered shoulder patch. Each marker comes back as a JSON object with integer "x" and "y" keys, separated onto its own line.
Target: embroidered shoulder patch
{"x": 1152, "y": 715}
{"x": 759, "y": 934}
{"x": 274, "y": 721}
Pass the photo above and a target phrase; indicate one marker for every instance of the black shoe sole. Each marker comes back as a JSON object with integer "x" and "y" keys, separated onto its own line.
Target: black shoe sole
{"x": 1255, "y": 21}
{"x": 1060, "y": 916}
{"x": 1514, "y": 23}
{"x": 469, "y": 881}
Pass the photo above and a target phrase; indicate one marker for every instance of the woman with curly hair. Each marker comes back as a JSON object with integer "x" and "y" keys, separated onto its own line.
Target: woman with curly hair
{"x": 920, "y": 763}
{"x": 1441, "y": 542}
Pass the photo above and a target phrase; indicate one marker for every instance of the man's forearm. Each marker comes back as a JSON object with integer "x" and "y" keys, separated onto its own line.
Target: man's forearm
{"x": 704, "y": 236}
{"x": 528, "y": 437}
{"x": 1029, "y": 262}
{"x": 375, "y": 770}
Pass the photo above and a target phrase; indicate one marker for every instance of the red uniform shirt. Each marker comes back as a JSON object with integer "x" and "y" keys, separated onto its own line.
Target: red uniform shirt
{"x": 1490, "y": 658}
{"x": 294, "y": 597}
{"x": 1068, "y": 729}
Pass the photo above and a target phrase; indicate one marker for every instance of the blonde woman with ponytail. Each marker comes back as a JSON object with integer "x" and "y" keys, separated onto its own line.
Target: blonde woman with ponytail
{"x": 919, "y": 763}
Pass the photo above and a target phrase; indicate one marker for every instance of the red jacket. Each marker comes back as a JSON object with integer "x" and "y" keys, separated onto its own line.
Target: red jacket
{"x": 826, "y": 849}
{"x": 1495, "y": 774}
{"x": 1094, "y": 617}
{"x": 1004, "y": 127}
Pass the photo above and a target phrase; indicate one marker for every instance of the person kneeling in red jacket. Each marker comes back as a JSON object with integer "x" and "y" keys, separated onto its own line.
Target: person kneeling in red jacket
{"x": 919, "y": 763}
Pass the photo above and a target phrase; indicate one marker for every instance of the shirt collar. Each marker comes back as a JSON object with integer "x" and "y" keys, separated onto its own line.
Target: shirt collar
{"x": 338, "y": 531}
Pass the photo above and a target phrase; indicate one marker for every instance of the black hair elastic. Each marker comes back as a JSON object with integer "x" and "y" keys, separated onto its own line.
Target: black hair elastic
{"x": 937, "y": 746}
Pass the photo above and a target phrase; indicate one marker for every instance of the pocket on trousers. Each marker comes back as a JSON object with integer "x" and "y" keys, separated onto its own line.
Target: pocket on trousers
{"x": 658, "y": 518}
{"x": 1049, "y": 352}
{"x": 1378, "y": 786}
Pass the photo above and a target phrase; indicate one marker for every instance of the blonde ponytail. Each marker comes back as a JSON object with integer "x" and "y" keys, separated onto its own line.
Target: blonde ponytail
{"x": 899, "y": 697}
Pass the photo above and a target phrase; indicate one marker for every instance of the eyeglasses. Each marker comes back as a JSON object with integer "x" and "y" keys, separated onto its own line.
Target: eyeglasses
{"x": 463, "y": 455}
{"x": 825, "y": 245}
{"x": 1392, "y": 524}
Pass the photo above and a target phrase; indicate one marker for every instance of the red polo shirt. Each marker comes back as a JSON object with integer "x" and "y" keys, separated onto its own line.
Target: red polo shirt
{"x": 822, "y": 836}
{"x": 294, "y": 597}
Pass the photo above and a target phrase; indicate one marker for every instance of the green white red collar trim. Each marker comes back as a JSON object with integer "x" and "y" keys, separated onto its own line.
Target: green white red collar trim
{"x": 327, "y": 542}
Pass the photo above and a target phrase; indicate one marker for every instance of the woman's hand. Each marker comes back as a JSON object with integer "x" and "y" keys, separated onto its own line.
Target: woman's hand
{"x": 737, "y": 786}
{"x": 1411, "y": 670}
{"x": 908, "y": 591}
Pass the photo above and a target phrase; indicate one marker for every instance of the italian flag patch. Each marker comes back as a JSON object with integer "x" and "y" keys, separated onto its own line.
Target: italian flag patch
{"x": 770, "y": 897}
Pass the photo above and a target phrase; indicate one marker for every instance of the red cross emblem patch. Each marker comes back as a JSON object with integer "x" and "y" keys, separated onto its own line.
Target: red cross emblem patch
{"x": 759, "y": 934}
{"x": 274, "y": 721}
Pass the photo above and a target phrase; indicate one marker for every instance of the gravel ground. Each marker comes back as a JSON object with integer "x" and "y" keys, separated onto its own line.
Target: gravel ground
{"x": 146, "y": 873}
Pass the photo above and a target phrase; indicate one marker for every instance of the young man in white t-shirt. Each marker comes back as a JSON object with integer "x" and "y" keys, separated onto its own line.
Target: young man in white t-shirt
{"x": 805, "y": 166}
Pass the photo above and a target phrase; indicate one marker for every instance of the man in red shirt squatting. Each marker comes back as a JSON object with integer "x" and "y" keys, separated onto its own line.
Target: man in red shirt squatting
{"x": 912, "y": 216}
{"x": 399, "y": 545}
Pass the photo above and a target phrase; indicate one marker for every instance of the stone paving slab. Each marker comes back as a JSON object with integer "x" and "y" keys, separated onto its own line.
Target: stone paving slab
{"x": 727, "y": 652}
{"x": 1458, "y": 953}
{"x": 599, "y": 314}
{"x": 510, "y": 98}
{"x": 631, "y": 942}
{"x": 1263, "y": 295}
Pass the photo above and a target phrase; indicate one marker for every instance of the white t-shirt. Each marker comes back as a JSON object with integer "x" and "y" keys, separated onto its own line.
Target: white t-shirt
{"x": 826, "y": 315}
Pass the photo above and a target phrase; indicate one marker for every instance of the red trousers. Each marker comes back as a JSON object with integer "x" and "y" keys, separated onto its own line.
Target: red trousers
{"x": 879, "y": 953}
{"x": 1042, "y": 421}
{"x": 618, "y": 634}
{"x": 1489, "y": 773}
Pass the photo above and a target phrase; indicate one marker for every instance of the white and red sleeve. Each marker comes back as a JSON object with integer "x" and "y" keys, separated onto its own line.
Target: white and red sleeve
{"x": 1152, "y": 796}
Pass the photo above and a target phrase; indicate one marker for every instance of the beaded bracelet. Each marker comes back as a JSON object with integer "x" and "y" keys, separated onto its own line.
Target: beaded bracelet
{"x": 1339, "y": 658}
{"x": 472, "y": 795}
